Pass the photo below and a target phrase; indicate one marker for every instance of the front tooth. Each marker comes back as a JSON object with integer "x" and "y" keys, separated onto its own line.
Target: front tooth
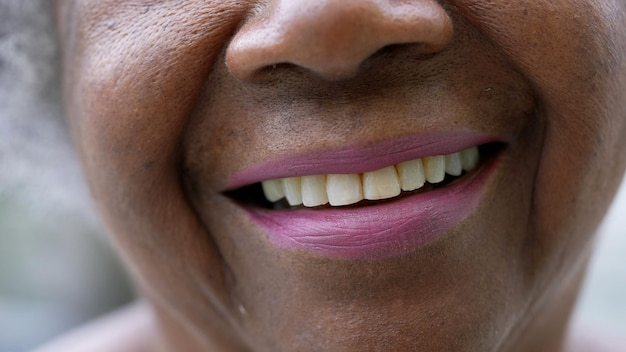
{"x": 314, "y": 190}
{"x": 293, "y": 190}
{"x": 435, "y": 168}
{"x": 411, "y": 174}
{"x": 344, "y": 189}
{"x": 273, "y": 190}
{"x": 454, "y": 164}
{"x": 469, "y": 158}
{"x": 381, "y": 184}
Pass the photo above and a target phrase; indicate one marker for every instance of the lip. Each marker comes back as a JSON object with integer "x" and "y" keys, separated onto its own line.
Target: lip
{"x": 392, "y": 228}
{"x": 361, "y": 158}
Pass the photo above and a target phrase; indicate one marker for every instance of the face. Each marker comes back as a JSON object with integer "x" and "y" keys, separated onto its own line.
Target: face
{"x": 183, "y": 113}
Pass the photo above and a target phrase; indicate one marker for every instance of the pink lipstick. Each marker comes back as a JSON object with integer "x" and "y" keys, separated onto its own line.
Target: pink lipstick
{"x": 361, "y": 158}
{"x": 389, "y": 229}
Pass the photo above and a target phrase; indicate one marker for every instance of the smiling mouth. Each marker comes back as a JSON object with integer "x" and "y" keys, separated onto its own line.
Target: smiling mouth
{"x": 395, "y": 181}
{"x": 374, "y": 201}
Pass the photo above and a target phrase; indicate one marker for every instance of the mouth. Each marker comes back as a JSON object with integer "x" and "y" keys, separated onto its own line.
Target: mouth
{"x": 335, "y": 190}
{"x": 386, "y": 210}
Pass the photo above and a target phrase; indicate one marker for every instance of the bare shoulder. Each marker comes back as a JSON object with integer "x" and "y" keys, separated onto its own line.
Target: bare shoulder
{"x": 129, "y": 329}
{"x": 584, "y": 338}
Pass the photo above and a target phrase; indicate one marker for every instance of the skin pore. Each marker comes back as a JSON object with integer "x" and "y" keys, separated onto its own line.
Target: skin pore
{"x": 169, "y": 101}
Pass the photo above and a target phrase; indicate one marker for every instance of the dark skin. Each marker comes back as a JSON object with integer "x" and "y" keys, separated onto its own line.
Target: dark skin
{"x": 167, "y": 101}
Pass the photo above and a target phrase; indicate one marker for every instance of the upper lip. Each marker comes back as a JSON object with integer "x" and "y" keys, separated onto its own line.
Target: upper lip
{"x": 361, "y": 158}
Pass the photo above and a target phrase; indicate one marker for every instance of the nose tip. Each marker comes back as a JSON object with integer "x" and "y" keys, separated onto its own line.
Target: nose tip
{"x": 332, "y": 38}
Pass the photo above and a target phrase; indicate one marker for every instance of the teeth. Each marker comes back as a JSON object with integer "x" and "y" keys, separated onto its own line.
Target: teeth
{"x": 454, "y": 164}
{"x": 338, "y": 190}
{"x": 435, "y": 168}
{"x": 411, "y": 175}
{"x": 273, "y": 190}
{"x": 314, "y": 190}
{"x": 293, "y": 190}
{"x": 381, "y": 184}
{"x": 469, "y": 158}
{"x": 344, "y": 189}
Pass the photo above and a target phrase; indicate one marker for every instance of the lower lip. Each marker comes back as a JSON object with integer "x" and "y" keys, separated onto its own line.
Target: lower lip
{"x": 391, "y": 229}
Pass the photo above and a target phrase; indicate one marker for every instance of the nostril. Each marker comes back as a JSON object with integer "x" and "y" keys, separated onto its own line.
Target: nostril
{"x": 273, "y": 69}
{"x": 333, "y": 38}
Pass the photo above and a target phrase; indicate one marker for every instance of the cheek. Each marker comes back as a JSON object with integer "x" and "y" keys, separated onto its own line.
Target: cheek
{"x": 572, "y": 52}
{"x": 133, "y": 77}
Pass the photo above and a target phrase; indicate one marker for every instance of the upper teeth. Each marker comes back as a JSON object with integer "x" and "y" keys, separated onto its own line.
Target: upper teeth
{"x": 345, "y": 189}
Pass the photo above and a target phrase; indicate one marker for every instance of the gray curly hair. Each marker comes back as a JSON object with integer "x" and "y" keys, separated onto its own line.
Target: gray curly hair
{"x": 48, "y": 228}
{"x": 36, "y": 158}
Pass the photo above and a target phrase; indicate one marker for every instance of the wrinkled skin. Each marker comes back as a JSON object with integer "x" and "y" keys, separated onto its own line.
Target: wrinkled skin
{"x": 167, "y": 100}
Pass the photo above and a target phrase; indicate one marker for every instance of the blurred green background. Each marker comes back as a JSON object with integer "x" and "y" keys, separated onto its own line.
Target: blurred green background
{"x": 56, "y": 267}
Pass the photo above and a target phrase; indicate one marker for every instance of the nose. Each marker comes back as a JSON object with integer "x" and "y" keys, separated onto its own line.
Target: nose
{"x": 332, "y": 38}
